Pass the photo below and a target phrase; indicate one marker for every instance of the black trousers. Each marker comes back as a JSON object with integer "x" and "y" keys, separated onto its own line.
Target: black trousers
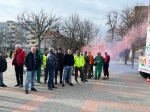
{"x": 46, "y": 74}
{"x": 81, "y": 73}
{"x": 19, "y": 74}
{"x": 105, "y": 68}
{"x": 56, "y": 72}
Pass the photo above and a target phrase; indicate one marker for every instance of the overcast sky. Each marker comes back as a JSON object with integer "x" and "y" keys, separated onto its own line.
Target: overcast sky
{"x": 94, "y": 10}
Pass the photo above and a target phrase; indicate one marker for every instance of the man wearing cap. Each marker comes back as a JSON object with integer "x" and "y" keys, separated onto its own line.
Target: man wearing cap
{"x": 39, "y": 70}
{"x": 59, "y": 56}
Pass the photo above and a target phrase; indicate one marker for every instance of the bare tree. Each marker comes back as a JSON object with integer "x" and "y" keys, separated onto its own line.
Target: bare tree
{"x": 38, "y": 24}
{"x": 77, "y": 33}
{"x": 111, "y": 22}
{"x": 69, "y": 30}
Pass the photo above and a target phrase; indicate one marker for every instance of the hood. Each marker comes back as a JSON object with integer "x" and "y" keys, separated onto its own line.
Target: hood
{"x": 107, "y": 55}
{"x": 20, "y": 50}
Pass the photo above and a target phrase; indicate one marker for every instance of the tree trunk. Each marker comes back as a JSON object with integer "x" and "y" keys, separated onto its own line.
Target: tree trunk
{"x": 39, "y": 43}
{"x": 132, "y": 65}
{"x": 125, "y": 61}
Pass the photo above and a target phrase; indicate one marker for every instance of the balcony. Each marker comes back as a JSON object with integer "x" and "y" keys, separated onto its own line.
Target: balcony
{"x": 32, "y": 40}
{"x": 12, "y": 26}
{"x": 32, "y": 35}
{"x": 32, "y": 31}
{"x": 32, "y": 45}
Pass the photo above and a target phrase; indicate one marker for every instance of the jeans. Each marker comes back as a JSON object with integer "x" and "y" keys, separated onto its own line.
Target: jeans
{"x": 1, "y": 78}
{"x": 30, "y": 75}
{"x": 51, "y": 78}
{"x": 19, "y": 74}
{"x": 67, "y": 69}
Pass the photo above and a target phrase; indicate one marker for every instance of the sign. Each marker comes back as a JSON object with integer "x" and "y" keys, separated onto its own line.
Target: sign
{"x": 148, "y": 35}
{"x": 144, "y": 64}
{"x": 147, "y": 52}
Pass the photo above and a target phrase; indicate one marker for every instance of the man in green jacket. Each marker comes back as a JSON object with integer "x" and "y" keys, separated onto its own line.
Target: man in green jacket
{"x": 99, "y": 60}
{"x": 79, "y": 63}
{"x": 39, "y": 70}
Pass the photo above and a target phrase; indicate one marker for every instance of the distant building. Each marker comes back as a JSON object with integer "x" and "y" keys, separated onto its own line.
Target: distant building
{"x": 141, "y": 14}
{"x": 9, "y": 31}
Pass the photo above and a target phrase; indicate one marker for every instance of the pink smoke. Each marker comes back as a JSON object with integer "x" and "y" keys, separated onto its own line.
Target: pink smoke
{"x": 121, "y": 46}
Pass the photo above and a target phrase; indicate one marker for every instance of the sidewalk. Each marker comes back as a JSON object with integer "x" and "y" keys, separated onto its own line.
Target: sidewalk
{"x": 123, "y": 92}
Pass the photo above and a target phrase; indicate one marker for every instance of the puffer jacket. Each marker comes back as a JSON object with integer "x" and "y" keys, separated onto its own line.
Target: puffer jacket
{"x": 59, "y": 62}
{"x": 51, "y": 61}
{"x": 20, "y": 57}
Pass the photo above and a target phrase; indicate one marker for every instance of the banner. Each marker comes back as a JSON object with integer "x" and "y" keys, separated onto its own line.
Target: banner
{"x": 144, "y": 64}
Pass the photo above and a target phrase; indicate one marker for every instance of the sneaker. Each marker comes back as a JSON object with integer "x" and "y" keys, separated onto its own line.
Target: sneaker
{"x": 39, "y": 83}
{"x": 33, "y": 89}
{"x": 35, "y": 80}
{"x": 63, "y": 85}
{"x": 54, "y": 87}
{"x": 3, "y": 85}
{"x": 50, "y": 88}
{"x": 71, "y": 84}
{"x": 21, "y": 85}
{"x": 17, "y": 85}
{"x": 26, "y": 91}
{"x": 104, "y": 78}
{"x": 107, "y": 77}
{"x": 86, "y": 80}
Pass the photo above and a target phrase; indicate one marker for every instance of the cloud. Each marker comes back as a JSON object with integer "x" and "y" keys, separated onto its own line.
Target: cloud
{"x": 94, "y": 10}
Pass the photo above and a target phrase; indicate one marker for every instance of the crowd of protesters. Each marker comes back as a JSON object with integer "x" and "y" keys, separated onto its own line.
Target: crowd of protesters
{"x": 54, "y": 63}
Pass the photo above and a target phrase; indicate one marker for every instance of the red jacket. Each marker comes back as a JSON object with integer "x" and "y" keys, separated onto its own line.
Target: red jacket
{"x": 106, "y": 59}
{"x": 20, "y": 57}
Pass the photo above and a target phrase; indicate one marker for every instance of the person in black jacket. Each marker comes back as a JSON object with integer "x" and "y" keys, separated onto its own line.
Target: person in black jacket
{"x": 59, "y": 56}
{"x": 32, "y": 62}
{"x": 3, "y": 68}
{"x": 68, "y": 62}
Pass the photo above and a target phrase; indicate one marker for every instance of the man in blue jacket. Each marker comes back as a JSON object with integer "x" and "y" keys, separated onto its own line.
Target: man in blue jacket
{"x": 51, "y": 65}
{"x": 32, "y": 62}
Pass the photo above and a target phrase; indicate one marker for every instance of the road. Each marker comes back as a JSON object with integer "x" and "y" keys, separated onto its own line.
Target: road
{"x": 123, "y": 92}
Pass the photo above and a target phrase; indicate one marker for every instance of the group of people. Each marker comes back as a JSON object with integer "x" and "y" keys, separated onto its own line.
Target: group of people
{"x": 54, "y": 63}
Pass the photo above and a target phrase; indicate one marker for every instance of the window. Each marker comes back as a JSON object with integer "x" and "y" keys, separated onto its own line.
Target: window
{"x": 144, "y": 15}
{"x": 144, "y": 19}
{"x": 8, "y": 24}
{"x": 32, "y": 42}
{"x": 3, "y": 24}
{"x": 3, "y": 33}
{"x": 4, "y": 29}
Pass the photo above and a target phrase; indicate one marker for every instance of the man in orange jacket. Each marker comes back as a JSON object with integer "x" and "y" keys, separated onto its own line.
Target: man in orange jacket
{"x": 90, "y": 65}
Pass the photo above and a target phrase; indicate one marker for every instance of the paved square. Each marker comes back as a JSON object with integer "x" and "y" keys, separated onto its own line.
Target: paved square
{"x": 123, "y": 92}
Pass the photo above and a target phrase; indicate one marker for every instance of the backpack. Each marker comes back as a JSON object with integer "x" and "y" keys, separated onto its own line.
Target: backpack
{"x": 3, "y": 64}
{"x": 108, "y": 59}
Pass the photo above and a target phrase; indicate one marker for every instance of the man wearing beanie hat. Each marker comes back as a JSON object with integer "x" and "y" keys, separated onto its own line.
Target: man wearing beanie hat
{"x": 59, "y": 56}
